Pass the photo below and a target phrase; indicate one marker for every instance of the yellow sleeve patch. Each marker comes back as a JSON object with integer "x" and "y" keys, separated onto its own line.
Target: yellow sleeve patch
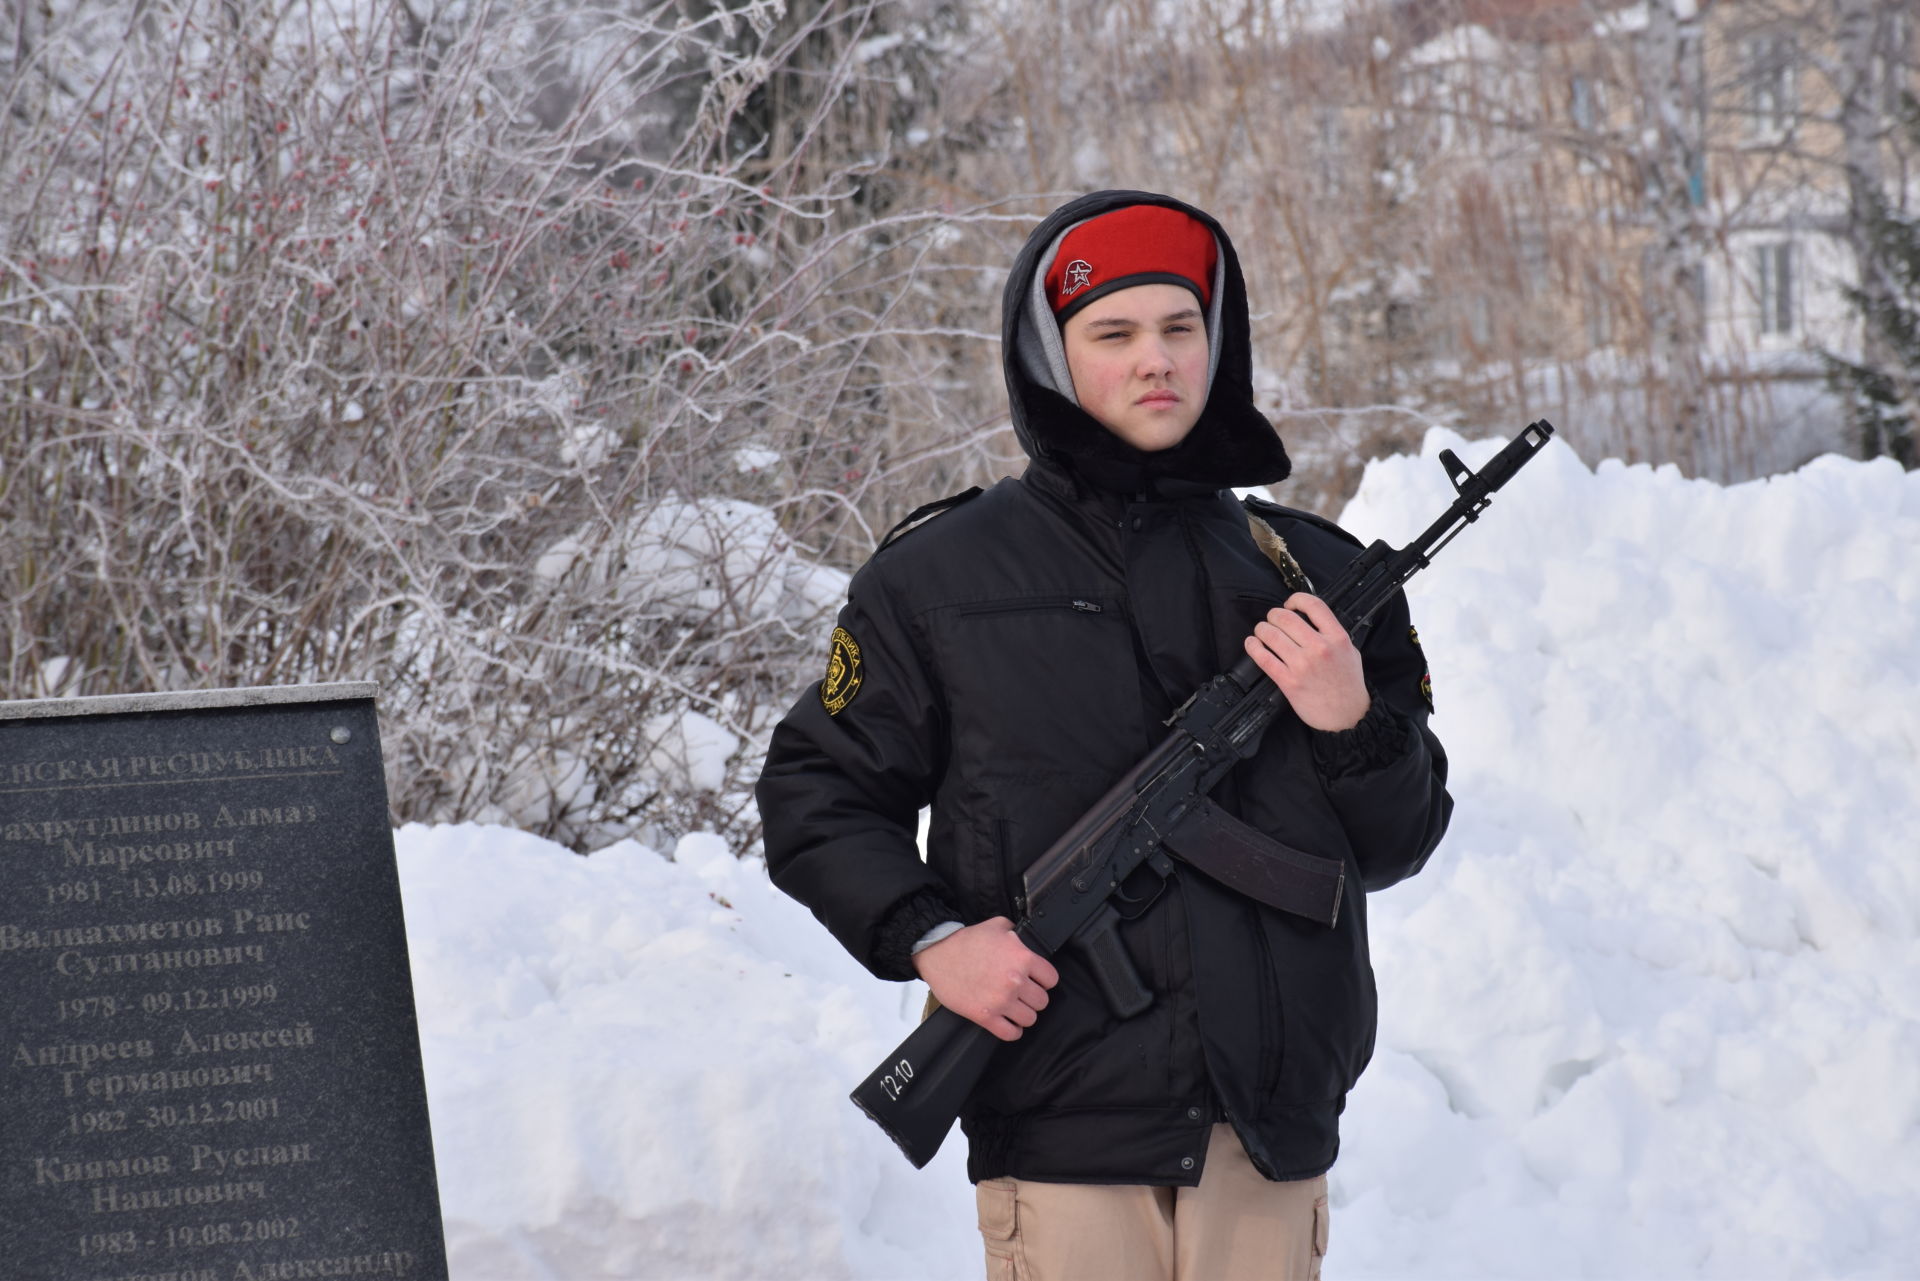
{"x": 844, "y": 672}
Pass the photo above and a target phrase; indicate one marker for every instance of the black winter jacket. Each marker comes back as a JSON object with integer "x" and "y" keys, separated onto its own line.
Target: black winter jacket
{"x": 1003, "y": 665}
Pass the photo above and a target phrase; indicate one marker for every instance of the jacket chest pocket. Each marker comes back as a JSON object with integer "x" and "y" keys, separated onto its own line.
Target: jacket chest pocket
{"x": 1041, "y": 606}
{"x": 1039, "y": 689}
{"x": 1236, "y": 610}
{"x": 1250, "y": 606}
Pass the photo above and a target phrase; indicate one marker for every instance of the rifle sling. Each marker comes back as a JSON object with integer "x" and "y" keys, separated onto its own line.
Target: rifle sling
{"x": 1256, "y": 865}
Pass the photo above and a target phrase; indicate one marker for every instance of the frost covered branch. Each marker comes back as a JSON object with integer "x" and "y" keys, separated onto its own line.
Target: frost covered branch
{"x": 506, "y": 355}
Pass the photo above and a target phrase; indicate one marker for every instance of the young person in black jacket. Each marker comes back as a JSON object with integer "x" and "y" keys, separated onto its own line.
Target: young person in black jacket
{"x": 1008, "y": 660}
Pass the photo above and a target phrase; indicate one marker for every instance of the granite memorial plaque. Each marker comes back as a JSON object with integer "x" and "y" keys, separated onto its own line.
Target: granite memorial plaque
{"x": 213, "y": 1068}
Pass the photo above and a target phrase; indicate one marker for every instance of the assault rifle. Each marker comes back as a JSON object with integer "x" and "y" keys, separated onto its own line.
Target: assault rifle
{"x": 1157, "y": 812}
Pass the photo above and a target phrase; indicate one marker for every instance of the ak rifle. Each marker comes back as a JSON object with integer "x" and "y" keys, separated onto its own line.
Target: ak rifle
{"x": 1159, "y": 812}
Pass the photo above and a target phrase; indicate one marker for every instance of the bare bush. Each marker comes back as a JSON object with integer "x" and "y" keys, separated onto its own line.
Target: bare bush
{"x": 527, "y": 359}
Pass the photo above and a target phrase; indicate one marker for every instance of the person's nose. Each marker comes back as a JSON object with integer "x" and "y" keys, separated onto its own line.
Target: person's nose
{"x": 1155, "y": 360}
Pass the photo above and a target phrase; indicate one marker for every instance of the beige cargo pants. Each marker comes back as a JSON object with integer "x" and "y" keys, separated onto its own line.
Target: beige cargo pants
{"x": 1236, "y": 1226}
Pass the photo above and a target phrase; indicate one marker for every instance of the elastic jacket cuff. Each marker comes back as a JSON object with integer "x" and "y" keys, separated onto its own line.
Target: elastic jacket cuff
{"x": 903, "y": 926}
{"x": 1377, "y": 741}
{"x": 938, "y": 934}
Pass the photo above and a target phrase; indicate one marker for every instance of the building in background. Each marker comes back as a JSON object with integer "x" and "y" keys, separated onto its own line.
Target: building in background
{"x": 1641, "y": 219}
{"x": 1644, "y": 212}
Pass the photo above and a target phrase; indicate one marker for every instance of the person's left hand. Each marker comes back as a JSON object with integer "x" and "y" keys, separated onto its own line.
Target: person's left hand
{"x": 1304, "y": 650}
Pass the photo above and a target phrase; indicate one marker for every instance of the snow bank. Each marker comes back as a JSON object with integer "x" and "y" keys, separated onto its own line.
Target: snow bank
{"x": 639, "y": 1068}
{"x": 699, "y": 558}
{"x": 1652, "y": 1011}
{"x": 1654, "y": 1008}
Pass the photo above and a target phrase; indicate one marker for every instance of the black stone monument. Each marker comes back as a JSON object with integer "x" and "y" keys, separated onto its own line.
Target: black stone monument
{"x": 212, "y": 1064}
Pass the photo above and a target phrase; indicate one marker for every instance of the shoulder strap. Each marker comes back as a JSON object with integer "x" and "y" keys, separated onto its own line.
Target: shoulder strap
{"x": 1276, "y": 550}
{"x": 925, "y": 510}
{"x": 1271, "y": 511}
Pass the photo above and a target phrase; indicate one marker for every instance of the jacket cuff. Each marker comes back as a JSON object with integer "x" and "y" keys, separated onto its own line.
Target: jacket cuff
{"x": 903, "y": 926}
{"x": 1378, "y": 740}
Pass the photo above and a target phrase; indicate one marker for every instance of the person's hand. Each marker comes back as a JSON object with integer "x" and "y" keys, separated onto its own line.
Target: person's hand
{"x": 1303, "y": 649}
{"x": 985, "y": 973}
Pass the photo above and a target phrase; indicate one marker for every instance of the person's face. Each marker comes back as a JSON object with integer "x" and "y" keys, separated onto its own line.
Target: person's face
{"x": 1139, "y": 363}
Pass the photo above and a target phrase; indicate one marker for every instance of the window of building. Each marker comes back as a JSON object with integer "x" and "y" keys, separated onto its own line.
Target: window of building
{"x": 1891, "y": 66}
{"x": 1329, "y": 148}
{"x": 1772, "y": 96}
{"x": 1480, "y": 320}
{"x": 1666, "y": 281}
{"x": 1587, "y": 106}
{"x": 1536, "y": 265}
{"x": 1773, "y": 276}
{"x": 1599, "y": 303}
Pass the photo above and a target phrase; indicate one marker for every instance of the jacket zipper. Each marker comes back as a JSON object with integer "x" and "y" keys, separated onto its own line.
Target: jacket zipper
{"x": 1273, "y": 1040}
{"x": 1079, "y": 604}
{"x": 1011, "y": 878}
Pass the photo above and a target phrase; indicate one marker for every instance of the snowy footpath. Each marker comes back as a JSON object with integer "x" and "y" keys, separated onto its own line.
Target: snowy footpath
{"x": 1653, "y": 1009}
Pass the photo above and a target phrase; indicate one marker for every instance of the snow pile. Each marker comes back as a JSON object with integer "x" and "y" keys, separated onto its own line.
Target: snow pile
{"x": 1653, "y": 1010}
{"x": 676, "y": 584}
{"x": 698, "y": 558}
{"x": 639, "y": 1068}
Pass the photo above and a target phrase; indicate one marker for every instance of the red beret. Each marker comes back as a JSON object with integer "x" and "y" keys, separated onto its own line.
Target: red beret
{"x": 1137, "y": 245}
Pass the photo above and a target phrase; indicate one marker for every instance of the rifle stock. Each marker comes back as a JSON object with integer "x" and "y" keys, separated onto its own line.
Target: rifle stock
{"x": 917, "y": 1094}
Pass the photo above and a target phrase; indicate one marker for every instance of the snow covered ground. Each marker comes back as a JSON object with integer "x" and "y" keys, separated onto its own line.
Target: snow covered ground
{"x": 1652, "y": 1011}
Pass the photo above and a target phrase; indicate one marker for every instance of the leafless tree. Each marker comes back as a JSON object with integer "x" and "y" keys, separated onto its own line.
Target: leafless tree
{"x": 531, "y": 360}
